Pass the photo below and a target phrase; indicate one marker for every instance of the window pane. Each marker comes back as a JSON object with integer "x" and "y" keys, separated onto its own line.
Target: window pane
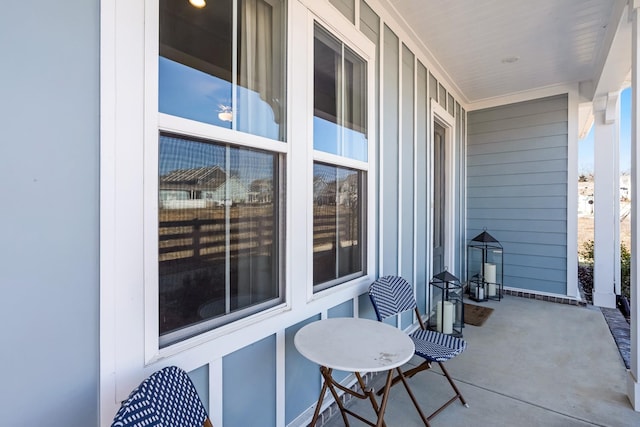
{"x": 340, "y": 101}
{"x": 338, "y": 229}
{"x": 355, "y": 106}
{"x": 326, "y": 100}
{"x": 197, "y": 71}
{"x": 218, "y": 234}
{"x": 261, "y": 78}
{"x": 195, "y": 68}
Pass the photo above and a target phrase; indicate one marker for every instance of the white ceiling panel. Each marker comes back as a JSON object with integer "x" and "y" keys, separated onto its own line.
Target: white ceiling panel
{"x": 494, "y": 48}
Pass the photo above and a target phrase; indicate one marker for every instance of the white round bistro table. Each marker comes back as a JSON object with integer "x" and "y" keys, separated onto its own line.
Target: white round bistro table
{"x": 354, "y": 345}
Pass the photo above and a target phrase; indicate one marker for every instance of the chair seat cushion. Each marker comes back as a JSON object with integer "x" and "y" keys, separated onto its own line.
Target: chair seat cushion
{"x": 437, "y": 347}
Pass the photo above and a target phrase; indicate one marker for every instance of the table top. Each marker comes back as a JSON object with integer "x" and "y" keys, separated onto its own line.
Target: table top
{"x": 354, "y": 345}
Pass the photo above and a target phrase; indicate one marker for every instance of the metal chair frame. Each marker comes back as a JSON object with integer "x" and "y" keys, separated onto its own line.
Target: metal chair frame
{"x": 396, "y": 298}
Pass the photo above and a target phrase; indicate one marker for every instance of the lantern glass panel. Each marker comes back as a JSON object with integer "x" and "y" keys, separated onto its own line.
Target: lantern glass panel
{"x": 485, "y": 268}
{"x": 447, "y": 315}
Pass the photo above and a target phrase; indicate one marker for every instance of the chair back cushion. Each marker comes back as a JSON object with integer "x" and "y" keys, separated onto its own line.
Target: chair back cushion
{"x": 167, "y": 398}
{"x": 391, "y": 295}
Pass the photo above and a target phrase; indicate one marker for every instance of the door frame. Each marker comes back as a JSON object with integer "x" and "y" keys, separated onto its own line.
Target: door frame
{"x": 439, "y": 115}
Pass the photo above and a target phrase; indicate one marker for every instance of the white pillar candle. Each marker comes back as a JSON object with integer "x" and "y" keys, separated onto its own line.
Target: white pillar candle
{"x": 492, "y": 289}
{"x": 489, "y": 272}
{"x": 480, "y": 292}
{"x": 444, "y": 317}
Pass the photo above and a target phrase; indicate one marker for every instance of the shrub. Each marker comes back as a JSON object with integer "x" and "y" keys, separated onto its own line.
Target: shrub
{"x": 625, "y": 266}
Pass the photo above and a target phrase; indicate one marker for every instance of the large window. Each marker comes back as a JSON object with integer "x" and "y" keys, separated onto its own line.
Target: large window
{"x": 220, "y": 204}
{"x": 221, "y": 71}
{"x": 339, "y": 188}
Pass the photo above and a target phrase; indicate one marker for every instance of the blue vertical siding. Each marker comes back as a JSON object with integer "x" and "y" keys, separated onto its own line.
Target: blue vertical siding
{"x": 517, "y": 165}
{"x": 200, "y": 378}
{"x": 422, "y": 177}
{"x": 407, "y": 173}
{"x": 365, "y": 308}
{"x": 302, "y": 377}
{"x": 49, "y": 268}
{"x": 346, "y": 7}
{"x": 389, "y": 153}
{"x": 249, "y": 384}
{"x": 343, "y": 310}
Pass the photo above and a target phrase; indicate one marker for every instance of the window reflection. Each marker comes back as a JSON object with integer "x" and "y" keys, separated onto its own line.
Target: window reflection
{"x": 218, "y": 233}
{"x": 340, "y": 101}
{"x": 198, "y": 79}
{"x": 338, "y": 229}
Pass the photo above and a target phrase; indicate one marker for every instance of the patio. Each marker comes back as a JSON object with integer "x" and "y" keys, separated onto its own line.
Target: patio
{"x": 532, "y": 363}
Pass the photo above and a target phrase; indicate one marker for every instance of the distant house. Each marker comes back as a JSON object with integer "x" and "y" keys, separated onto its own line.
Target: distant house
{"x": 201, "y": 187}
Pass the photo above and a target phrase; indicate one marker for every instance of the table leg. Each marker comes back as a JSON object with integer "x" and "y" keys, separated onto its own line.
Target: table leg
{"x": 319, "y": 404}
{"x": 369, "y": 392}
{"x": 331, "y": 384}
{"x": 328, "y": 379}
{"x": 385, "y": 398}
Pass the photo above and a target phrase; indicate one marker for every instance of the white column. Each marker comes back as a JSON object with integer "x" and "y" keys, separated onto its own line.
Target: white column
{"x": 606, "y": 197}
{"x": 633, "y": 386}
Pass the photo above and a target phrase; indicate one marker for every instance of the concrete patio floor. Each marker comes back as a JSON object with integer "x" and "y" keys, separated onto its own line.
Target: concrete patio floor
{"x": 532, "y": 363}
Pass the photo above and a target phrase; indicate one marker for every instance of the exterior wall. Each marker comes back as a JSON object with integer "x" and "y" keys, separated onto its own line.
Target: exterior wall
{"x": 257, "y": 362}
{"x": 346, "y": 7}
{"x": 517, "y": 166}
{"x": 49, "y": 259}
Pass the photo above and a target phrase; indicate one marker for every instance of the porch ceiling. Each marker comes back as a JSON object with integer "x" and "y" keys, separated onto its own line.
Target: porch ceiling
{"x": 491, "y": 49}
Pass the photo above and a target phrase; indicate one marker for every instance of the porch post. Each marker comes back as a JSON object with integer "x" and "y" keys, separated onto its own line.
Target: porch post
{"x": 606, "y": 200}
{"x": 633, "y": 386}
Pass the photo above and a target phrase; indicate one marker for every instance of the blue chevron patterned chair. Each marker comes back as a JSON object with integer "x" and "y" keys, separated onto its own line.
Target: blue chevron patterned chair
{"x": 167, "y": 398}
{"x": 392, "y": 295}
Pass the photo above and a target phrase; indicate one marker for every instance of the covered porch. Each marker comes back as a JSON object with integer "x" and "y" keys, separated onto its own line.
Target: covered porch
{"x": 533, "y": 363}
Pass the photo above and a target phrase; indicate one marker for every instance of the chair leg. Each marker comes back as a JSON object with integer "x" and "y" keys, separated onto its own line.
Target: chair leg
{"x": 401, "y": 376}
{"x": 408, "y": 374}
{"x": 453, "y": 385}
{"x": 458, "y": 395}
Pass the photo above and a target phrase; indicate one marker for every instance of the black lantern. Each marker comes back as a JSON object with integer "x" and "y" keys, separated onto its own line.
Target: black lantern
{"x": 485, "y": 268}
{"x": 446, "y": 291}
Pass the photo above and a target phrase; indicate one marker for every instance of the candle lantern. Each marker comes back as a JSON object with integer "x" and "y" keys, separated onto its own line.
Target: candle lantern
{"x": 446, "y": 291}
{"x": 485, "y": 268}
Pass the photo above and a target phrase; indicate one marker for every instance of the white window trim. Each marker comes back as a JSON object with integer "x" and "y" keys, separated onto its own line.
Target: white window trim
{"x": 127, "y": 355}
{"x": 154, "y": 123}
{"x": 440, "y": 115}
{"x": 337, "y": 25}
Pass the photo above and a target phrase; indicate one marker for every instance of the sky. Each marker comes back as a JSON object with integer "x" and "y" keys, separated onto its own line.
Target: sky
{"x": 585, "y": 145}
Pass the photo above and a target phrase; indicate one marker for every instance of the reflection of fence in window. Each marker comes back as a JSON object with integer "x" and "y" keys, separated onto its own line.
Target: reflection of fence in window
{"x": 201, "y": 239}
{"x": 327, "y": 231}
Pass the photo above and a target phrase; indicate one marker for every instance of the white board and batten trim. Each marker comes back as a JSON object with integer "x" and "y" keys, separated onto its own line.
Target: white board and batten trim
{"x": 129, "y": 332}
{"x": 572, "y": 191}
{"x": 440, "y": 115}
{"x": 329, "y": 18}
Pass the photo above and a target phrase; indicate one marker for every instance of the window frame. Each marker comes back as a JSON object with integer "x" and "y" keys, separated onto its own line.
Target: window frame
{"x": 129, "y": 120}
{"x": 156, "y": 122}
{"x": 357, "y": 42}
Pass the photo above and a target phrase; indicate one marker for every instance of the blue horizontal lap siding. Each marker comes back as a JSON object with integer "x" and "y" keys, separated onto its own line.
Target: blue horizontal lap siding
{"x": 517, "y": 189}
{"x": 510, "y": 179}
